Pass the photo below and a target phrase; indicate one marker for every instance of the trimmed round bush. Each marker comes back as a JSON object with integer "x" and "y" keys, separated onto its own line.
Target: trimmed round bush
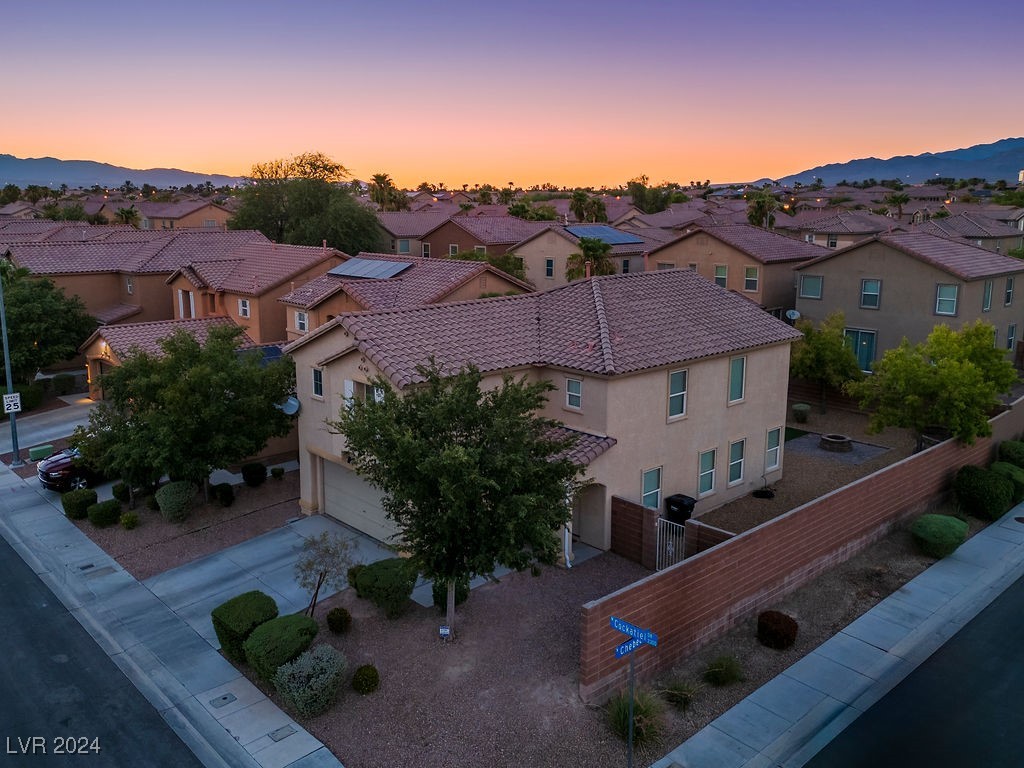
{"x": 277, "y": 642}
{"x": 175, "y": 500}
{"x": 387, "y": 584}
{"x": 1014, "y": 474}
{"x": 254, "y": 473}
{"x": 129, "y": 520}
{"x": 938, "y": 535}
{"x": 440, "y": 593}
{"x": 339, "y": 620}
{"x": 366, "y": 680}
{"x": 224, "y": 493}
{"x": 1012, "y": 451}
{"x": 776, "y": 630}
{"x": 723, "y": 670}
{"x": 104, "y": 513}
{"x": 121, "y": 492}
{"x": 235, "y": 619}
{"x": 76, "y": 503}
{"x": 982, "y": 493}
{"x": 648, "y": 717}
{"x": 310, "y": 684}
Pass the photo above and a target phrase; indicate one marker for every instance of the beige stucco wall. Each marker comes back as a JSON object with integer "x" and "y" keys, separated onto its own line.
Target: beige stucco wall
{"x": 547, "y": 245}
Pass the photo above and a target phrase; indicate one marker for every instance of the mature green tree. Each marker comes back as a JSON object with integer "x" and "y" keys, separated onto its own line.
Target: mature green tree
{"x": 897, "y": 200}
{"x": 11, "y": 193}
{"x": 523, "y": 209}
{"x": 506, "y": 195}
{"x": 44, "y": 326}
{"x": 35, "y": 192}
{"x": 951, "y": 381}
{"x": 823, "y": 355}
{"x": 70, "y": 212}
{"x": 592, "y": 250}
{"x": 386, "y": 195}
{"x": 761, "y": 207}
{"x": 473, "y": 479}
{"x": 128, "y": 216}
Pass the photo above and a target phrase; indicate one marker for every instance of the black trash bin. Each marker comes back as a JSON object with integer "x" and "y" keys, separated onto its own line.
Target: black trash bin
{"x": 679, "y": 507}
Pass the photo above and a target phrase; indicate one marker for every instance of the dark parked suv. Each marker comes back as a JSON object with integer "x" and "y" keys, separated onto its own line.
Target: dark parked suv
{"x": 62, "y": 471}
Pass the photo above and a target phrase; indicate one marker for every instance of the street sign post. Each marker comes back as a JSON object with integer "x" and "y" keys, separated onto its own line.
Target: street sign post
{"x": 637, "y": 637}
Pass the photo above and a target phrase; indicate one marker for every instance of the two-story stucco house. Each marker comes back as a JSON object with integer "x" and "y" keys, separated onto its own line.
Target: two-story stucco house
{"x": 903, "y": 284}
{"x": 671, "y": 383}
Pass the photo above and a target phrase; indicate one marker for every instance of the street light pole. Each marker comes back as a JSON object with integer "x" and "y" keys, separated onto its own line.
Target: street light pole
{"x": 16, "y": 460}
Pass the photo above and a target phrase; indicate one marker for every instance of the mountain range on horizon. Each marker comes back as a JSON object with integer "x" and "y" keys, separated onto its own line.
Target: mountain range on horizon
{"x": 999, "y": 160}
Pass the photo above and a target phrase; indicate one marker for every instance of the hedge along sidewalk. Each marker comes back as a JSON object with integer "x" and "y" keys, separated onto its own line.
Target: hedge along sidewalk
{"x": 221, "y": 716}
{"x": 793, "y": 716}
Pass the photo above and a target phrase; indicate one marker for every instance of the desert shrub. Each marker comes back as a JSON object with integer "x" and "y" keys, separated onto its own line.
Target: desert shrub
{"x": 224, "y": 493}
{"x": 648, "y": 717}
{"x": 235, "y": 619}
{"x": 310, "y": 683}
{"x": 277, "y": 473}
{"x": 353, "y": 577}
{"x": 1012, "y": 451}
{"x": 76, "y": 503}
{"x": 174, "y": 500}
{"x": 938, "y": 535}
{"x": 982, "y": 493}
{"x": 254, "y": 473}
{"x": 724, "y": 670}
{"x": 129, "y": 520}
{"x": 1014, "y": 474}
{"x": 104, "y": 513}
{"x": 121, "y": 492}
{"x": 776, "y": 630}
{"x": 277, "y": 642}
{"x": 63, "y": 384}
{"x": 387, "y": 584}
{"x": 440, "y": 593}
{"x": 366, "y": 679}
{"x": 339, "y": 620}
{"x": 681, "y": 693}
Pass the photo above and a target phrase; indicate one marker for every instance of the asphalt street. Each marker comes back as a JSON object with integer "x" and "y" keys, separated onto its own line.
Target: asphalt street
{"x": 960, "y": 709}
{"x": 62, "y": 700}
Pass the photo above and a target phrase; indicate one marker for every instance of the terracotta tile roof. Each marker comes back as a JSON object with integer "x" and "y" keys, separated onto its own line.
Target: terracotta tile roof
{"x": 650, "y": 239}
{"x": 499, "y": 230}
{"x": 992, "y": 211}
{"x": 611, "y": 325}
{"x": 116, "y": 313}
{"x": 763, "y": 245}
{"x": 177, "y": 210}
{"x": 126, "y": 338}
{"x": 675, "y": 216}
{"x": 413, "y": 224}
{"x": 42, "y": 230}
{"x": 587, "y": 447}
{"x": 850, "y": 223}
{"x": 255, "y": 267}
{"x": 969, "y": 225}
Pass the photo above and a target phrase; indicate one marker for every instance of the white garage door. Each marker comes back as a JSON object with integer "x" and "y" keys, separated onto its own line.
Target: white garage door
{"x": 355, "y": 502}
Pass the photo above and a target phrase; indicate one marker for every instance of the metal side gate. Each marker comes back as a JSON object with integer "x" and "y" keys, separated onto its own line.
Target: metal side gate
{"x": 670, "y": 543}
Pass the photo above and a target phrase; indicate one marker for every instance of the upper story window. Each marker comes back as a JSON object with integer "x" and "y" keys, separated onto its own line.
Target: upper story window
{"x": 652, "y": 488}
{"x": 453, "y": 249}
{"x": 945, "y": 299}
{"x": 403, "y": 245}
{"x": 676, "y": 394}
{"x": 1008, "y": 294}
{"x": 811, "y": 286}
{"x": 209, "y": 223}
{"x": 625, "y": 266}
{"x": 750, "y": 278}
{"x": 186, "y": 304}
{"x": 301, "y": 322}
{"x": 574, "y": 393}
{"x": 662, "y": 265}
{"x": 809, "y": 238}
{"x": 832, "y": 241}
{"x": 360, "y": 390}
{"x": 870, "y": 293}
{"x": 721, "y": 275}
{"x": 737, "y": 374}
{"x": 243, "y": 308}
{"x": 986, "y": 297}
{"x": 318, "y": 382}
{"x": 479, "y": 249}
{"x": 425, "y": 250}
{"x": 129, "y": 285}
{"x": 549, "y": 267}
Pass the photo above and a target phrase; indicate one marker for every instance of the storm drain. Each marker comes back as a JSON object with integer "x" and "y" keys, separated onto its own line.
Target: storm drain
{"x": 223, "y": 701}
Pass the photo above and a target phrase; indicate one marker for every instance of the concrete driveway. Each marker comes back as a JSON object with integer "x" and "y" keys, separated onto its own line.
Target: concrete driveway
{"x": 41, "y": 428}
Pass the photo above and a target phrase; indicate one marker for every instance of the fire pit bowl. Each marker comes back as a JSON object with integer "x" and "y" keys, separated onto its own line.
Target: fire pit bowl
{"x": 835, "y": 443}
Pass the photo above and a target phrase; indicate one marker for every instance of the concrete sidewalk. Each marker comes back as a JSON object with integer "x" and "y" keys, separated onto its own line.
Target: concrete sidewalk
{"x": 789, "y": 719}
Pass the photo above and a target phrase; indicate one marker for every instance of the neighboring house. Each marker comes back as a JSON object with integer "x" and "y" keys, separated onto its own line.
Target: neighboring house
{"x": 247, "y": 288}
{"x": 404, "y": 230}
{"x": 185, "y": 214}
{"x": 479, "y": 234}
{"x": 837, "y": 230}
{"x": 672, "y": 385}
{"x": 1006, "y": 214}
{"x": 379, "y": 281}
{"x": 19, "y": 209}
{"x": 756, "y": 263}
{"x": 546, "y": 253}
{"x": 976, "y": 229}
{"x": 903, "y": 284}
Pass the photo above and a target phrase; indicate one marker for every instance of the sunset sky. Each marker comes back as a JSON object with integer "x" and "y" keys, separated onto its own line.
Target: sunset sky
{"x": 575, "y": 92}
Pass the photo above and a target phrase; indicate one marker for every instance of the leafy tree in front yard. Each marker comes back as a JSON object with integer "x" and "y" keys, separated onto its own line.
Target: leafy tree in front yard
{"x": 952, "y": 380}
{"x": 472, "y": 478}
{"x": 325, "y": 560}
{"x": 823, "y": 355}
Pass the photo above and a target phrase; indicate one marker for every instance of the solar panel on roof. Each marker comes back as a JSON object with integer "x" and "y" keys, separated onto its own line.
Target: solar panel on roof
{"x": 378, "y": 269}
{"x": 603, "y": 232}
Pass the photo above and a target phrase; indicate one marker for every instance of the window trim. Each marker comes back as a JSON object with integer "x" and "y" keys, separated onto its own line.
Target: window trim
{"x": 317, "y": 383}
{"x": 481, "y": 249}
{"x": 742, "y": 360}
{"x": 301, "y": 321}
{"x": 425, "y": 250}
{"x": 403, "y": 242}
{"x": 680, "y": 396}
{"x": 656, "y": 491}
{"x": 832, "y": 241}
{"x": 709, "y": 473}
{"x": 769, "y": 462}
{"x": 733, "y": 463}
{"x": 549, "y": 268}
{"x": 803, "y": 294}
{"x": 748, "y": 280}
{"x": 244, "y": 310}
{"x": 864, "y": 293}
{"x": 721, "y": 280}
{"x": 569, "y": 393}
{"x": 453, "y": 249}
{"x": 939, "y": 298}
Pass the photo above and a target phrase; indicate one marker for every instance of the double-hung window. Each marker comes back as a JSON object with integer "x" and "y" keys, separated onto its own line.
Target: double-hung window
{"x": 986, "y": 297}
{"x": 301, "y": 321}
{"x": 706, "y": 473}
{"x": 574, "y": 393}
{"x": 772, "y": 449}
{"x": 425, "y": 250}
{"x": 736, "y": 461}
{"x": 652, "y": 488}
{"x": 945, "y": 299}
{"x": 1011, "y": 335}
{"x": 676, "y": 394}
{"x": 721, "y": 275}
{"x": 870, "y": 293}
{"x": 1008, "y": 295}
{"x": 318, "y": 382}
{"x": 549, "y": 267}
{"x": 243, "y": 307}
{"x": 737, "y": 374}
{"x": 453, "y": 249}
{"x": 750, "y": 278}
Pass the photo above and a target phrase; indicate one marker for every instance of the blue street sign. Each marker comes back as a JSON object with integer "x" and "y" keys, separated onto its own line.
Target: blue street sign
{"x": 627, "y": 647}
{"x": 643, "y": 635}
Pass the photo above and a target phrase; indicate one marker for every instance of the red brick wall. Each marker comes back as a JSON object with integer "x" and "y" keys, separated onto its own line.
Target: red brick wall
{"x": 700, "y": 598}
{"x": 634, "y": 532}
{"x": 700, "y": 536}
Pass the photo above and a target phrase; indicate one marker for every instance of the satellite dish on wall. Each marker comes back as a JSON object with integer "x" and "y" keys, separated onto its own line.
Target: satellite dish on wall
{"x": 792, "y": 314}
{"x": 290, "y": 406}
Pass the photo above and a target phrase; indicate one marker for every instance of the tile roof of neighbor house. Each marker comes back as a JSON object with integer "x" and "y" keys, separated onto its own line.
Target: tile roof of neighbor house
{"x": 969, "y": 225}
{"x": 176, "y": 210}
{"x": 255, "y": 267}
{"x": 763, "y": 245}
{"x": 413, "y": 224}
{"x": 960, "y": 259}
{"x": 675, "y": 216}
{"x": 850, "y": 223}
{"x": 427, "y": 281}
{"x": 497, "y": 230}
{"x": 992, "y": 211}
{"x": 126, "y": 338}
{"x": 649, "y": 238}
{"x": 43, "y": 230}
{"x": 618, "y": 324}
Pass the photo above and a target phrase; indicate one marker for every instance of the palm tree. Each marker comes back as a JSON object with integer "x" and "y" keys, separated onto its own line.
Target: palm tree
{"x": 761, "y": 208}
{"x": 128, "y": 216}
{"x": 578, "y": 204}
{"x": 380, "y": 187}
{"x": 596, "y": 253}
{"x": 898, "y": 199}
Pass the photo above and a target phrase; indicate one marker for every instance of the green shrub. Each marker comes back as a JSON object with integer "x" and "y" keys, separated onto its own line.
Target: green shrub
{"x": 234, "y": 620}
{"x": 681, "y": 693}
{"x": 353, "y": 577}
{"x": 366, "y": 679}
{"x": 723, "y": 670}
{"x": 254, "y": 474}
{"x": 63, "y": 384}
{"x": 648, "y": 717}
{"x": 224, "y": 493}
{"x": 310, "y": 683}
{"x": 339, "y": 620}
{"x": 776, "y": 630}
{"x": 31, "y": 395}
{"x": 277, "y": 642}
{"x": 152, "y": 503}
{"x": 387, "y": 584}
{"x": 104, "y": 513}
{"x": 76, "y": 503}
{"x": 175, "y": 500}
{"x": 1014, "y": 474}
{"x": 440, "y": 592}
{"x": 1012, "y": 451}
{"x": 121, "y": 492}
{"x": 938, "y": 535}
{"x": 982, "y": 493}
{"x": 129, "y": 520}
{"x": 277, "y": 473}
